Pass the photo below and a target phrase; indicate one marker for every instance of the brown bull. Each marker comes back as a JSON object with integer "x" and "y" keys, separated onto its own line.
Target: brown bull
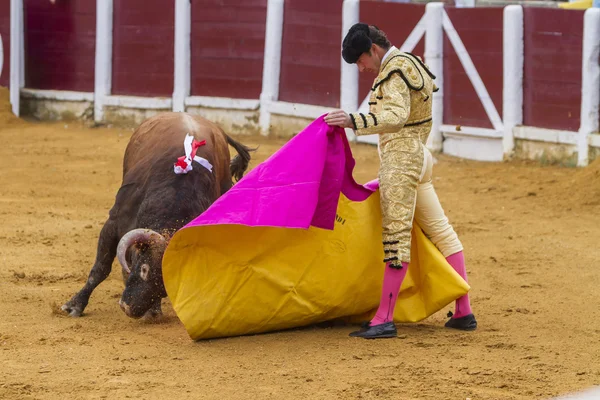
{"x": 153, "y": 202}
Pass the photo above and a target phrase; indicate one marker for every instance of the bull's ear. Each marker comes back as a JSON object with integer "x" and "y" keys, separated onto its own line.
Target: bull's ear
{"x": 144, "y": 271}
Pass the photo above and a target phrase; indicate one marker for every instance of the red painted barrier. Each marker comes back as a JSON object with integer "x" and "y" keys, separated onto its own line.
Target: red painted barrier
{"x": 60, "y": 43}
{"x": 5, "y": 33}
{"x": 143, "y": 47}
{"x": 228, "y": 46}
{"x": 552, "y": 73}
{"x": 311, "y": 52}
{"x": 228, "y": 41}
{"x": 480, "y": 30}
{"x": 397, "y": 21}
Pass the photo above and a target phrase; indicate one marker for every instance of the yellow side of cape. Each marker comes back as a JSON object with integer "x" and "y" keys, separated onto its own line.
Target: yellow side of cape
{"x": 229, "y": 280}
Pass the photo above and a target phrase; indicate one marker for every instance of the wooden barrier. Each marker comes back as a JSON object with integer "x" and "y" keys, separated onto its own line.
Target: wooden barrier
{"x": 5, "y": 33}
{"x": 552, "y": 73}
{"x": 512, "y": 80}
{"x": 143, "y": 47}
{"x": 310, "y": 52}
{"x": 59, "y": 45}
{"x": 481, "y": 32}
{"x": 227, "y": 48}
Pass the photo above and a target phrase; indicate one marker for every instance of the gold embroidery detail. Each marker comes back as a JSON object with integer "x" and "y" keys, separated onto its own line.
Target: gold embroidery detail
{"x": 403, "y": 123}
{"x": 401, "y": 165}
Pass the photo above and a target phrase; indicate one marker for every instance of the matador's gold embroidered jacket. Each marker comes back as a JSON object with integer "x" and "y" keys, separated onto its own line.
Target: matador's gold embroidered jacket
{"x": 400, "y": 112}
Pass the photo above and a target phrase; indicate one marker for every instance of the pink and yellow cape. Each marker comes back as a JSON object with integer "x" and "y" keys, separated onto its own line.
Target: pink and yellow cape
{"x": 296, "y": 242}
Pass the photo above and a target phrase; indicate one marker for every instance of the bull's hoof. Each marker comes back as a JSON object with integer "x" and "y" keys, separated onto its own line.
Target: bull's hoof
{"x": 72, "y": 308}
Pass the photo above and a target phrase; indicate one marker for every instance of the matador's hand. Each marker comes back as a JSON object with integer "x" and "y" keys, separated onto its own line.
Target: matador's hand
{"x": 339, "y": 118}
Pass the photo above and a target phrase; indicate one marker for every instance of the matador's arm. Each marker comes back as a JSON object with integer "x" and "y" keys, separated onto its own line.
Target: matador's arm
{"x": 394, "y": 111}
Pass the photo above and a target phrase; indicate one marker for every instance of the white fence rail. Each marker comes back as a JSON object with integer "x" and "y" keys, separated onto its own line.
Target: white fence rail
{"x": 470, "y": 142}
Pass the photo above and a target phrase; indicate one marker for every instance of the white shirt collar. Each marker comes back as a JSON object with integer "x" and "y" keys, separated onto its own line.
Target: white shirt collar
{"x": 387, "y": 53}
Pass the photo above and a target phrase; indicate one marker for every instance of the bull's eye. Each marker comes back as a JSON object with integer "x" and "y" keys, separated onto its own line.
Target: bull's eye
{"x": 144, "y": 270}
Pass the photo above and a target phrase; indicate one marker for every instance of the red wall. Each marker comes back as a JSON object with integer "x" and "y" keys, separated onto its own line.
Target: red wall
{"x": 143, "y": 47}
{"x": 311, "y": 52}
{"x": 480, "y": 30}
{"x": 5, "y": 33}
{"x": 228, "y": 41}
{"x": 228, "y": 44}
{"x": 552, "y": 73}
{"x": 60, "y": 44}
{"x": 397, "y": 21}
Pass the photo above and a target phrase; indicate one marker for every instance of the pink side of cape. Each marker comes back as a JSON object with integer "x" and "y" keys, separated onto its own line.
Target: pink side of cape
{"x": 296, "y": 187}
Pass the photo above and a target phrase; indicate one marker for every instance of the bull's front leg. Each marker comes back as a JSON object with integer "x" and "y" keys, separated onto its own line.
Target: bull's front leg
{"x": 154, "y": 313}
{"x": 105, "y": 254}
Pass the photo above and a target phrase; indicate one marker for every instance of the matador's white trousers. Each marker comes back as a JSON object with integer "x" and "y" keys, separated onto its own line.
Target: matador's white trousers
{"x": 429, "y": 213}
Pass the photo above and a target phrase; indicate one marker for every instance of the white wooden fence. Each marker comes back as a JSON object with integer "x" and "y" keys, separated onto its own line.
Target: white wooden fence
{"x": 476, "y": 142}
{"x": 469, "y": 142}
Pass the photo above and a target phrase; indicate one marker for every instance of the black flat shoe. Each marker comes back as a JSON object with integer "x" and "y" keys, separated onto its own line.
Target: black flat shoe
{"x": 381, "y": 331}
{"x": 466, "y": 323}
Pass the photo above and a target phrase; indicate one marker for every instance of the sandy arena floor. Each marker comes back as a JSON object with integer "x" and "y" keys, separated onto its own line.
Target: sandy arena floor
{"x": 531, "y": 235}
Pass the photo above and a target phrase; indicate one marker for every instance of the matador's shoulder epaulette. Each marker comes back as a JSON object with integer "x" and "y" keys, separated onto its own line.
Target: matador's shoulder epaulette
{"x": 408, "y": 66}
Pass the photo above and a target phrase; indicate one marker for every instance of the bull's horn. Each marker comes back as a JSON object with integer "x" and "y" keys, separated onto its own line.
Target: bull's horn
{"x": 135, "y": 236}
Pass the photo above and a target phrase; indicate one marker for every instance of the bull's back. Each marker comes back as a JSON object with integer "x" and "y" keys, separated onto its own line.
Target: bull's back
{"x": 159, "y": 140}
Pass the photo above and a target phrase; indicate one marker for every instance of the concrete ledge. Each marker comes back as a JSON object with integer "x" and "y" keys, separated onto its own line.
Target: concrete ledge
{"x": 56, "y": 110}
{"x": 546, "y": 152}
{"x": 545, "y": 135}
{"x": 142, "y": 103}
{"x": 63, "y": 95}
{"x": 477, "y": 148}
{"x": 222, "y": 103}
{"x": 241, "y": 117}
{"x": 236, "y": 121}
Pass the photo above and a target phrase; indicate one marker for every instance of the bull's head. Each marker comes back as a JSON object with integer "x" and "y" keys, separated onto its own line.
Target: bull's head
{"x": 144, "y": 285}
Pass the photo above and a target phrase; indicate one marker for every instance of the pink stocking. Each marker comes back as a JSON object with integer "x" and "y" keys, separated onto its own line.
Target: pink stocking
{"x": 463, "y": 305}
{"x": 392, "y": 280}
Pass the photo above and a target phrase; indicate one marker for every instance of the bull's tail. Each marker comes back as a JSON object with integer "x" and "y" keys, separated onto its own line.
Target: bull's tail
{"x": 239, "y": 163}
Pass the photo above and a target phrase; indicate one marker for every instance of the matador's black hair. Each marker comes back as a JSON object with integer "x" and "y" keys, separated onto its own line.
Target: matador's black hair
{"x": 359, "y": 40}
{"x": 356, "y": 42}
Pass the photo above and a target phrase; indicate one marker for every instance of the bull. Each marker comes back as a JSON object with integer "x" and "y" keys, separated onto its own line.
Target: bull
{"x": 153, "y": 202}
